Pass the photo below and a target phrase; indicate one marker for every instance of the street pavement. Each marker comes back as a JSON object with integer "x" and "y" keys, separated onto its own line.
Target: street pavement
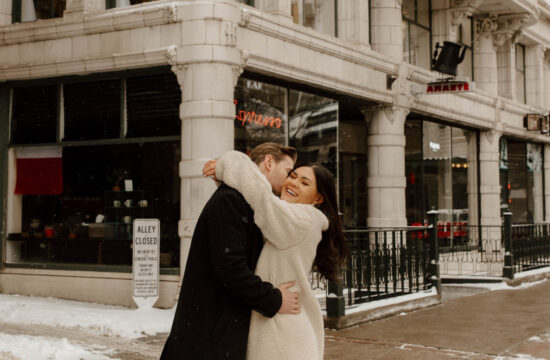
{"x": 470, "y": 323}
{"x": 504, "y": 324}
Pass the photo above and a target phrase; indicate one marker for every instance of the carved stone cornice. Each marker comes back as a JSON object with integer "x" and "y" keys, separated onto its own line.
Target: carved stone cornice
{"x": 461, "y": 9}
{"x": 509, "y": 28}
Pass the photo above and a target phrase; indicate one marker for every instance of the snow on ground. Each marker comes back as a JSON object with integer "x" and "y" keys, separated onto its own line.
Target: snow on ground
{"x": 499, "y": 285}
{"x": 39, "y": 347}
{"x": 95, "y": 318}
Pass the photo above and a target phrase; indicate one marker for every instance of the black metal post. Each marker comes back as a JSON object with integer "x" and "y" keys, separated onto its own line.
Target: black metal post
{"x": 335, "y": 299}
{"x": 508, "y": 270}
{"x": 434, "y": 251}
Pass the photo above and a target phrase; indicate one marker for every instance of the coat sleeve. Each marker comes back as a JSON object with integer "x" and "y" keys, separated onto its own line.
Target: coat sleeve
{"x": 283, "y": 224}
{"x": 228, "y": 255}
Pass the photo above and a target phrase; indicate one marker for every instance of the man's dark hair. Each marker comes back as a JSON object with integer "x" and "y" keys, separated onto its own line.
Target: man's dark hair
{"x": 276, "y": 151}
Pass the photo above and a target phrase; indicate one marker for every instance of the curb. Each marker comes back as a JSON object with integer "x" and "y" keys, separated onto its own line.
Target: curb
{"x": 529, "y": 276}
{"x": 377, "y": 313}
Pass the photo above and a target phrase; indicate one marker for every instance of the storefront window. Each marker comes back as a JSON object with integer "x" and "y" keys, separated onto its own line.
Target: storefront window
{"x": 92, "y": 110}
{"x": 261, "y": 114}
{"x": 32, "y": 10}
{"x": 416, "y": 32}
{"x": 441, "y": 169}
{"x": 34, "y": 115}
{"x": 74, "y": 201}
{"x": 522, "y": 180}
{"x": 316, "y": 14}
{"x": 352, "y": 145}
{"x": 313, "y": 127}
{"x": 262, "y": 111}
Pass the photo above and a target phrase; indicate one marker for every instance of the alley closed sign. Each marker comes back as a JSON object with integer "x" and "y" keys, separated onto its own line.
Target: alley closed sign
{"x": 145, "y": 266}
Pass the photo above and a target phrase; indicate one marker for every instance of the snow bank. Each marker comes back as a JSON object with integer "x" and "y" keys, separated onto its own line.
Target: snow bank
{"x": 96, "y": 318}
{"x": 38, "y": 347}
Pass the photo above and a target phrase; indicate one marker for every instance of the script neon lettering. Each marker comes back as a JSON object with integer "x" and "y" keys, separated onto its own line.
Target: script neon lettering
{"x": 260, "y": 119}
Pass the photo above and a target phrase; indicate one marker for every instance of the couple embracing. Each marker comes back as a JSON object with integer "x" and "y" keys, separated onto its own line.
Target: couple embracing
{"x": 245, "y": 292}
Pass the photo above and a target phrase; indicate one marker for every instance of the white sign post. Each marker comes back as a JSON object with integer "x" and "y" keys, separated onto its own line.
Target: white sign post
{"x": 145, "y": 265}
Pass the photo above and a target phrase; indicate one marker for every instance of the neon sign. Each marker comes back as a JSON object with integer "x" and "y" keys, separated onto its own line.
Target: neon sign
{"x": 260, "y": 119}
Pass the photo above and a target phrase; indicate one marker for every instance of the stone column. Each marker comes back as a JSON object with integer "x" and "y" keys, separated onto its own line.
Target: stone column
{"x": 75, "y": 9}
{"x": 353, "y": 22}
{"x": 5, "y": 12}
{"x": 534, "y": 75}
{"x": 387, "y": 28}
{"x": 386, "y": 180}
{"x": 207, "y": 74}
{"x": 489, "y": 188}
{"x": 485, "y": 56}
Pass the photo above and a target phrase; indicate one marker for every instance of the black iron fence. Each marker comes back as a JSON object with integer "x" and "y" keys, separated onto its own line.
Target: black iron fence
{"x": 530, "y": 246}
{"x": 470, "y": 250}
{"x": 386, "y": 262}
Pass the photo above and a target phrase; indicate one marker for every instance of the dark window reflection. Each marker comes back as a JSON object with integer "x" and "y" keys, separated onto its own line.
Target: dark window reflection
{"x": 260, "y": 114}
{"x": 313, "y": 127}
{"x": 92, "y": 110}
{"x": 90, "y": 173}
{"x": 34, "y": 118}
{"x": 153, "y": 104}
{"x": 353, "y": 166}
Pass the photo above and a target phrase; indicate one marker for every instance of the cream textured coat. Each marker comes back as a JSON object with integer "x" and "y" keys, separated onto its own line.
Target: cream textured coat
{"x": 292, "y": 233}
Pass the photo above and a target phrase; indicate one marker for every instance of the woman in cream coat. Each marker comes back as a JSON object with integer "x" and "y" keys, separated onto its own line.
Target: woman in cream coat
{"x": 300, "y": 229}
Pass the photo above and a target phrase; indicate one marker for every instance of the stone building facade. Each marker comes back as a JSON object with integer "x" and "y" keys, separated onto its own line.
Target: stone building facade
{"x": 345, "y": 79}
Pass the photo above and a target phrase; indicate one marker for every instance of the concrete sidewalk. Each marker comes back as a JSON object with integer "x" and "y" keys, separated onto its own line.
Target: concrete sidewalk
{"x": 503, "y": 324}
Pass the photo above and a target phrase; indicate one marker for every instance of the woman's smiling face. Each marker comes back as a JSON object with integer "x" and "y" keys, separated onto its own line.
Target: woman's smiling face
{"x": 301, "y": 187}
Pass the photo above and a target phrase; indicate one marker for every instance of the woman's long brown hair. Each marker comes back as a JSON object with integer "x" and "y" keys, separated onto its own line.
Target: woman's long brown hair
{"x": 332, "y": 250}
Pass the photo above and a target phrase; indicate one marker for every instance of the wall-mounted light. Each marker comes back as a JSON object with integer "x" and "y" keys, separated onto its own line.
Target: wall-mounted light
{"x": 449, "y": 57}
{"x": 532, "y": 122}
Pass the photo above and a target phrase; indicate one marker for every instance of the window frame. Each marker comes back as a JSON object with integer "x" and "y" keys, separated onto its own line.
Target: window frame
{"x": 5, "y": 147}
{"x": 415, "y": 22}
{"x": 468, "y": 47}
{"x": 122, "y": 139}
{"x": 522, "y": 71}
{"x": 17, "y": 9}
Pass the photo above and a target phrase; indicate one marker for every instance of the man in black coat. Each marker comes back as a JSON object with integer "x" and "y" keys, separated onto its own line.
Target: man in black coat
{"x": 219, "y": 287}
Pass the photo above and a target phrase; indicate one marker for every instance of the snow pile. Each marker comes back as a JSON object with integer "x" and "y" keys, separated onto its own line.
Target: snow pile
{"x": 499, "y": 286}
{"x": 96, "y": 318}
{"x": 39, "y": 347}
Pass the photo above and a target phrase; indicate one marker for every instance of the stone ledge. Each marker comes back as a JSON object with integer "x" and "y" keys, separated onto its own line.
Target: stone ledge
{"x": 384, "y": 311}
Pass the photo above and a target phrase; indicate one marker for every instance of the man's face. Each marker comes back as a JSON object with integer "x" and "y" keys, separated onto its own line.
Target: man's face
{"x": 278, "y": 172}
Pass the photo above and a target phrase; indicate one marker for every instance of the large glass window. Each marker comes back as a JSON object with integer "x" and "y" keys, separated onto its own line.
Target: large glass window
{"x": 352, "y": 145}
{"x": 520, "y": 73}
{"x": 34, "y": 114}
{"x": 441, "y": 169}
{"x": 416, "y": 32}
{"x": 76, "y": 195}
{"x": 466, "y": 39}
{"x": 262, "y": 111}
{"x": 522, "y": 180}
{"x": 316, "y": 14}
{"x": 32, "y": 10}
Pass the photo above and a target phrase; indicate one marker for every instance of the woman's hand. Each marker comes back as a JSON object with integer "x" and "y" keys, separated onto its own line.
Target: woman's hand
{"x": 209, "y": 169}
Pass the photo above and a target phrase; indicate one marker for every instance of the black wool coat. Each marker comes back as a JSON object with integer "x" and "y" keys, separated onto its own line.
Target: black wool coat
{"x": 219, "y": 288}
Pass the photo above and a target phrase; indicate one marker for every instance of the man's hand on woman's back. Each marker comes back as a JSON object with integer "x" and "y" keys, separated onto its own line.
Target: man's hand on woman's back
{"x": 291, "y": 300}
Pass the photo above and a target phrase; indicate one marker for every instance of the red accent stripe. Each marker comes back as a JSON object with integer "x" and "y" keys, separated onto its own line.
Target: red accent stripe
{"x": 39, "y": 176}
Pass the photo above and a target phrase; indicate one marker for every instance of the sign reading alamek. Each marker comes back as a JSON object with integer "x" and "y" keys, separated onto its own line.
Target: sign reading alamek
{"x": 146, "y": 251}
{"x": 447, "y": 87}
